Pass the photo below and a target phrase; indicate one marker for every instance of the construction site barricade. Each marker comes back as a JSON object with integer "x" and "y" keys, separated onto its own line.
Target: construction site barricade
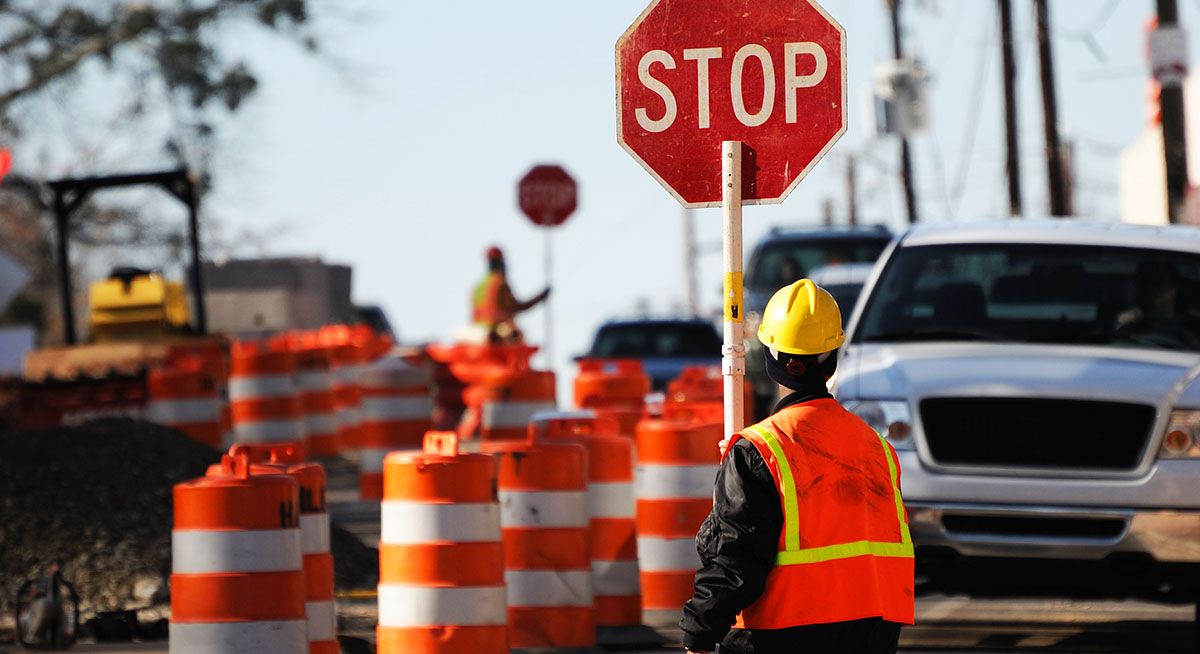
{"x": 262, "y": 396}
{"x": 699, "y": 394}
{"x": 397, "y": 411}
{"x": 512, "y": 399}
{"x": 315, "y": 542}
{"x": 611, "y": 510}
{"x": 441, "y": 558}
{"x": 314, "y": 382}
{"x": 237, "y": 581}
{"x": 186, "y": 399}
{"x": 614, "y": 388}
{"x": 677, "y": 467}
{"x": 547, "y": 561}
{"x": 347, "y": 363}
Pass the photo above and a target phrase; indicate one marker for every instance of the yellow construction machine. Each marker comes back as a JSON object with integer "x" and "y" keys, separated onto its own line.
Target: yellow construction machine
{"x": 135, "y": 305}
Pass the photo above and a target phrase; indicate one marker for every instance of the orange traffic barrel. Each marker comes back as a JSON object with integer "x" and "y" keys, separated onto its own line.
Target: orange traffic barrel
{"x": 314, "y": 381}
{"x": 547, "y": 562}
{"x": 611, "y": 510}
{"x": 186, "y": 399}
{"x": 441, "y": 558}
{"x": 677, "y": 466}
{"x": 396, "y": 412}
{"x": 514, "y": 398}
{"x": 315, "y": 542}
{"x": 615, "y": 388}
{"x": 237, "y": 580}
{"x": 699, "y": 394}
{"x": 262, "y": 395}
{"x": 347, "y": 362}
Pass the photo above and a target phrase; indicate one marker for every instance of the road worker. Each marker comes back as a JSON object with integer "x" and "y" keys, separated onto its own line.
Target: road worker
{"x": 807, "y": 548}
{"x": 495, "y": 307}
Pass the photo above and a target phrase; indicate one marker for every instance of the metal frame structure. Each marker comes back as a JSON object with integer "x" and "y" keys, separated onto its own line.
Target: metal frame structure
{"x": 71, "y": 193}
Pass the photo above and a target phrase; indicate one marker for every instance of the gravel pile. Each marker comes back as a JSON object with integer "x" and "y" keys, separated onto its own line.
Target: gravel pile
{"x": 99, "y": 497}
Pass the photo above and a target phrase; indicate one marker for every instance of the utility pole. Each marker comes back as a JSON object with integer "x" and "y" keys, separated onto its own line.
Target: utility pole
{"x": 906, "y": 170}
{"x": 1060, "y": 204}
{"x": 851, "y": 191}
{"x": 1010, "y": 109}
{"x": 1174, "y": 132}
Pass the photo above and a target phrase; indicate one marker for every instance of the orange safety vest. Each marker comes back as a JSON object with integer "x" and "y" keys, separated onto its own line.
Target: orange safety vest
{"x": 845, "y": 552}
{"x": 486, "y": 309}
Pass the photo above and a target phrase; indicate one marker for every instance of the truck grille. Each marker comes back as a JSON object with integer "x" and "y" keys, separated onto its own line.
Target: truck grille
{"x": 1036, "y": 433}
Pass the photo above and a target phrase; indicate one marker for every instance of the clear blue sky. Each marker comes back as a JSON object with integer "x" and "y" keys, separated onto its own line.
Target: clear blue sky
{"x": 401, "y": 158}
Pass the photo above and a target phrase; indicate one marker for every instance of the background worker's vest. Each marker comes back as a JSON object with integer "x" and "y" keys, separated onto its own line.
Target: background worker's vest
{"x": 486, "y": 309}
{"x": 844, "y": 552}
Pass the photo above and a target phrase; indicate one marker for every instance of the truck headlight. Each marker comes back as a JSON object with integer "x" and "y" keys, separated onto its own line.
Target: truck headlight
{"x": 888, "y": 417}
{"x": 1182, "y": 440}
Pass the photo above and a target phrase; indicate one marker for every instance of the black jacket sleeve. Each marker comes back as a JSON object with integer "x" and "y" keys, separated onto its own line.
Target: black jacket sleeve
{"x": 737, "y": 544}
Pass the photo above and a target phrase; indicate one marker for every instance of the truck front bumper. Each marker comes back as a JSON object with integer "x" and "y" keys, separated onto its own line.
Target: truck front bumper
{"x": 976, "y": 548}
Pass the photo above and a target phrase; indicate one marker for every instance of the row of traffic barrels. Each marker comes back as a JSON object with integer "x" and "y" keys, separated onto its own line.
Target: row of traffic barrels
{"x": 533, "y": 544}
{"x": 330, "y": 391}
{"x": 252, "y": 567}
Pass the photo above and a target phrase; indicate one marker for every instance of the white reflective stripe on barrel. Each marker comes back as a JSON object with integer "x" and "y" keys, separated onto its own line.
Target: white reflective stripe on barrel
{"x": 657, "y": 482}
{"x": 262, "y": 637}
{"x": 248, "y": 388}
{"x": 314, "y": 533}
{"x": 543, "y": 509}
{"x": 314, "y": 381}
{"x": 206, "y": 552}
{"x": 396, "y": 408}
{"x": 184, "y": 411}
{"x": 322, "y": 621}
{"x": 349, "y": 416}
{"x": 549, "y": 587}
{"x": 615, "y": 578}
{"x": 269, "y": 431}
{"x": 415, "y": 523}
{"x": 667, "y": 554}
{"x": 321, "y": 424}
{"x": 611, "y": 500}
{"x": 513, "y": 414}
{"x": 371, "y": 459}
{"x": 421, "y": 606}
{"x": 348, "y": 375}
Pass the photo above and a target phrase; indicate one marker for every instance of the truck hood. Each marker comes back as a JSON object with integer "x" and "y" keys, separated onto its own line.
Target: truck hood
{"x": 917, "y": 370}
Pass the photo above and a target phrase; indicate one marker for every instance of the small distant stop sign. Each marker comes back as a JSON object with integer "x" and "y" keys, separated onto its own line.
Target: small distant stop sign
{"x": 770, "y": 74}
{"x": 547, "y": 195}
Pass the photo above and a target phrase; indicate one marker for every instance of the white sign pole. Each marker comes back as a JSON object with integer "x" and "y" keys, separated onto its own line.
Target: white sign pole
{"x": 733, "y": 361}
{"x": 547, "y": 341}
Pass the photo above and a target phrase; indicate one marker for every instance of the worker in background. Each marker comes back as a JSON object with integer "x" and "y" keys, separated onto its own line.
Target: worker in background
{"x": 495, "y": 307}
{"x": 807, "y": 548}
{"x": 45, "y": 623}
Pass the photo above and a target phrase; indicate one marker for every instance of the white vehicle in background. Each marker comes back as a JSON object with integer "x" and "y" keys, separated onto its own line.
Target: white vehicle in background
{"x": 1040, "y": 383}
{"x": 845, "y": 282}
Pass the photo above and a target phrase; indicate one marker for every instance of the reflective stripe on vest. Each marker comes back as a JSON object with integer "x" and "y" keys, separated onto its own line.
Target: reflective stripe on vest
{"x": 793, "y": 554}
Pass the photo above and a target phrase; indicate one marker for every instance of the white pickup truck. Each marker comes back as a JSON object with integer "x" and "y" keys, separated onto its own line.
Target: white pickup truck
{"x": 1039, "y": 380}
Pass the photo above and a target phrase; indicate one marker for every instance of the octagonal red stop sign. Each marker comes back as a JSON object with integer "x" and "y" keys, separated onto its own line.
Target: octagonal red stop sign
{"x": 694, "y": 73}
{"x": 547, "y": 195}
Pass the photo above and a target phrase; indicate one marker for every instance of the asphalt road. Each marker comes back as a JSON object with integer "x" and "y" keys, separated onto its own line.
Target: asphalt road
{"x": 953, "y": 625}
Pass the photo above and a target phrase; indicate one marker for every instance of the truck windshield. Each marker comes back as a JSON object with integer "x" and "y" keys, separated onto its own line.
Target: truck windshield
{"x": 783, "y": 262}
{"x": 1037, "y": 294}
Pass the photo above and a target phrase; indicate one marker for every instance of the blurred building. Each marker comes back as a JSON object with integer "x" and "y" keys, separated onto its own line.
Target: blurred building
{"x": 255, "y": 296}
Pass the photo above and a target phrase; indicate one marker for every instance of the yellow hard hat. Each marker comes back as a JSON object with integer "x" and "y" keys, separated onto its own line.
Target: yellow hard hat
{"x": 802, "y": 319}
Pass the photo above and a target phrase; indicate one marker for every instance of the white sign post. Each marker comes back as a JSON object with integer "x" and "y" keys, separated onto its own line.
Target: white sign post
{"x": 733, "y": 351}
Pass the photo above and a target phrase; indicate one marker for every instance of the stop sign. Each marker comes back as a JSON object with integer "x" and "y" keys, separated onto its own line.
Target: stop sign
{"x": 547, "y": 195}
{"x": 768, "y": 73}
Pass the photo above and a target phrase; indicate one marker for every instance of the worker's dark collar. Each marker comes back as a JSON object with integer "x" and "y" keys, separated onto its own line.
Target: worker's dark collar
{"x": 800, "y": 397}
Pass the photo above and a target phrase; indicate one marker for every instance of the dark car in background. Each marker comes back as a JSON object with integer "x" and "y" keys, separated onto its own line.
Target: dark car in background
{"x": 785, "y": 255}
{"x": 664, "y": 346}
